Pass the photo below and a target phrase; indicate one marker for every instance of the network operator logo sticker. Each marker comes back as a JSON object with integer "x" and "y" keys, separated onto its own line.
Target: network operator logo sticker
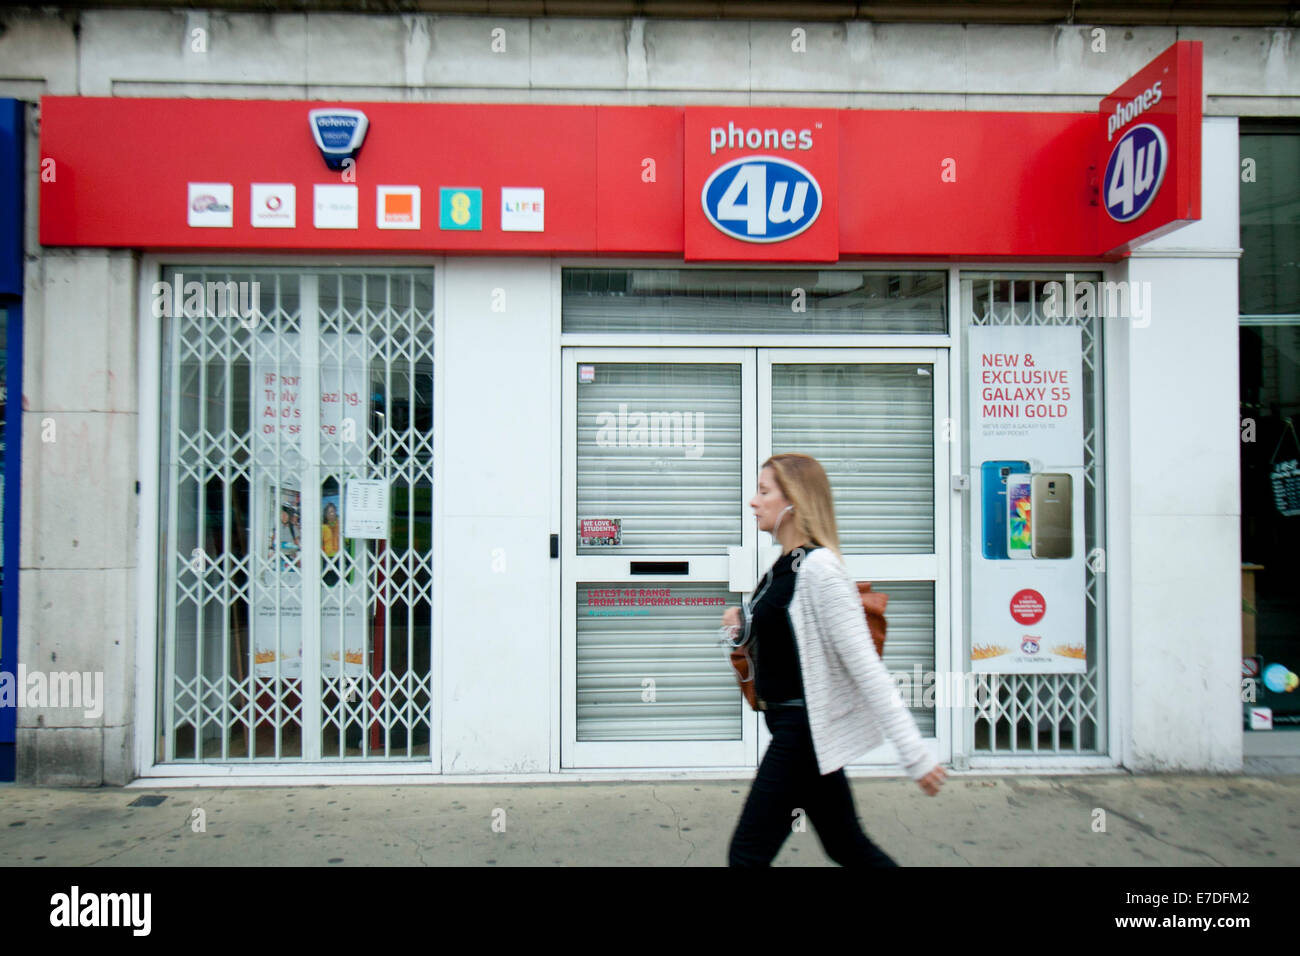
{"x": 761, "y": 199}
{"x": 1134, "y": 172}
{"x": 210, "y": 205}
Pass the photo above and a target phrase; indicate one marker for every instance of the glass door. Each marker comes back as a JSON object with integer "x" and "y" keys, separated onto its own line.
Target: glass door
{"x": 661, "y": 452}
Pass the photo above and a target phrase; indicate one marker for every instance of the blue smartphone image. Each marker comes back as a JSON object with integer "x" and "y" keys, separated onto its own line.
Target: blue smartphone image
{"x": 993, "y": 481}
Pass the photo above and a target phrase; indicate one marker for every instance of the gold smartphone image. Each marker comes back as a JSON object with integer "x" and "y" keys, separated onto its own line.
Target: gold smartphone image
{"x": 1051, "y": 503}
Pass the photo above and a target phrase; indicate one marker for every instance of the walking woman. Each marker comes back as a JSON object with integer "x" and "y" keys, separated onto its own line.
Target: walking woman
{"x": 828, "y": 698}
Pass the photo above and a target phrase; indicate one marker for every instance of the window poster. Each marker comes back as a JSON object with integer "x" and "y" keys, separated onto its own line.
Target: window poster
{"x": 1027, "y": 559}
{"x": 367, "y": 508}
{"x": 282, "y": 527}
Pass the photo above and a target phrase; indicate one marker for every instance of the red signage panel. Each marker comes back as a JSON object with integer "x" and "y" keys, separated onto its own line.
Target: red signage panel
{"x": 723, "y": 184}
{"x": 639, "y": 180}
{"x": 986, "y": 185}
{"x": 140, "y": 192}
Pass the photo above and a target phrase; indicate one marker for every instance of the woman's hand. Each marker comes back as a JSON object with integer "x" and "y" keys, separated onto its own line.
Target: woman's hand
{"x": 731, "y": 617}
{"x": 933, "y": 780}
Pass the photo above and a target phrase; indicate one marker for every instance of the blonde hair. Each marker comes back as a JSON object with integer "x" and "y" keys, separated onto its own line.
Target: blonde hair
{"x": 803, "y": 481}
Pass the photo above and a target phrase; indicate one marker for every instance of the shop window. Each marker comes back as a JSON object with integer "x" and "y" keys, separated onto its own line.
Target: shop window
{"x": 1269, "y": 302}
{"x": 296, "y": 582}
{"x": 713, "y": 301}
{"x": 1035, "y": 521}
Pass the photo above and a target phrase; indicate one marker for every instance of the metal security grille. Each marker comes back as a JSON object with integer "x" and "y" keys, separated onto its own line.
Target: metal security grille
{"x": 1049, "y": 713}
{"x": 282, "y": 638}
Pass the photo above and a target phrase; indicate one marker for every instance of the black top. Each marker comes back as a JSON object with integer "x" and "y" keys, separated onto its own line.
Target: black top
{"x": 777, "y": 675}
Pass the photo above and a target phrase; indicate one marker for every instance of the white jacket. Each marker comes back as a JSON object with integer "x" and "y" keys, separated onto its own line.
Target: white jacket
{"x": 851, "y": 700}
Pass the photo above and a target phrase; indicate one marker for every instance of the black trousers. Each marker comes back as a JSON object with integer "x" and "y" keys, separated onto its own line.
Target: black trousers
{"x": 787, "y": 781}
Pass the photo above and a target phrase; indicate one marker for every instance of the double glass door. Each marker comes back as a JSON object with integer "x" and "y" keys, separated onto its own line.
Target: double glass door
{"x": 662, "y": 448}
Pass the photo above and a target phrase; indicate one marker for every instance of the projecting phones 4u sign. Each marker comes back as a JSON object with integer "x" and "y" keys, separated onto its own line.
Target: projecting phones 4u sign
{"x": 761, "y": 184}
{"x": 1150, "y": 156}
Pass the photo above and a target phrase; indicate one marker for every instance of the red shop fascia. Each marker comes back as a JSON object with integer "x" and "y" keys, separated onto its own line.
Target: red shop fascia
{"x": 695, "y": 184}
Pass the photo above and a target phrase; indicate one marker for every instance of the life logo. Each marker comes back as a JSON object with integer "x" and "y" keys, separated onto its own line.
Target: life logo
{"x": 761, "y": 199}
{"x": 1134, "y": 172}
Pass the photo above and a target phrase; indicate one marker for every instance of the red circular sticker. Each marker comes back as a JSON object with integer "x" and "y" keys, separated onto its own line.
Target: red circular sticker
{"x": 1028, "y": 606}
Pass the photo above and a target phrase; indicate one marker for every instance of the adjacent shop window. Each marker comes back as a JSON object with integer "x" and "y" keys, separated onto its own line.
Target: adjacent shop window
{"x": 296, "y": 521}
{"x": 1269, "y": 296}
{"x": 1034, "y": 534}
{"x": 1270, "y": 219}
{"x": 712, "y": 301}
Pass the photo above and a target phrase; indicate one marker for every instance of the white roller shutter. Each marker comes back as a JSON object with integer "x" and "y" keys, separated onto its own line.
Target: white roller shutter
{"x": 872, "y": 429}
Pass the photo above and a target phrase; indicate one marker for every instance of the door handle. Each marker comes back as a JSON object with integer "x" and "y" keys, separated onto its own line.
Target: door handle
{"x": 740, "y": 569}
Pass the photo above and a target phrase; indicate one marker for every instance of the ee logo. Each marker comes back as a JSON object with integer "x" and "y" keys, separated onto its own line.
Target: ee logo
{"x": 460, "y": 208}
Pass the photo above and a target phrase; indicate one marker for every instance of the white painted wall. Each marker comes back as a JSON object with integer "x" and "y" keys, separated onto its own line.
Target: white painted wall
{"x": 1185, "y": 502}
{"x": 500, "y": 480}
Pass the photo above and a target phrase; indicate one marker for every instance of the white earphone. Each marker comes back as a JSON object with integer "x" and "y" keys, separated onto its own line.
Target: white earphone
{"x": 777, "y": 527}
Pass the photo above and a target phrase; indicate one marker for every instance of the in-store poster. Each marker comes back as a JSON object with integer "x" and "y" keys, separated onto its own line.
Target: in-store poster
{"x": 1028, "y": 571}
{"x": 277, "y": 395}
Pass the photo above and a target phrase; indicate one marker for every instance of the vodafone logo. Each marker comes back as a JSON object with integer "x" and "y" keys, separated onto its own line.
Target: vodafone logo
{"x": 1028, "y": 607}
{"x": 273, "y": 206}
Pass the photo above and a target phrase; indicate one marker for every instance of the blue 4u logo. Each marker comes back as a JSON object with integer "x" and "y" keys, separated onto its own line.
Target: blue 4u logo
{"x": 761, "y": 199}
{"x": 1134, "y": 172}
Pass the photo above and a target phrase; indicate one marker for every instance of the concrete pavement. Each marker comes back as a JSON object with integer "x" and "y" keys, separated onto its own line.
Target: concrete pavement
{"x": 977, "y": 820}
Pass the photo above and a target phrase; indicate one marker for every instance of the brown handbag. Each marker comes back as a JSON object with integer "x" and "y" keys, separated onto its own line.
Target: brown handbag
{"x": 873, "y": 606}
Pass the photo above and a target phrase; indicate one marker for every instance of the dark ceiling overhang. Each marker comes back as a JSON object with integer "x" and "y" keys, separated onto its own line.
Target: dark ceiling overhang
{"x": 1247, "y": 13}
